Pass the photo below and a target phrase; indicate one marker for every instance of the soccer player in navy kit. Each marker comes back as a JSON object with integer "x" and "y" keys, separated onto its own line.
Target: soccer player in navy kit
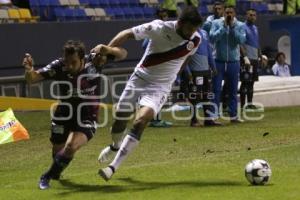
{"x": 74, "y": 120}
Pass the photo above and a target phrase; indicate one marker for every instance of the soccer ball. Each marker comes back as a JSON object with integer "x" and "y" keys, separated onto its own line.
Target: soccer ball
{"x": 258, "y": 172}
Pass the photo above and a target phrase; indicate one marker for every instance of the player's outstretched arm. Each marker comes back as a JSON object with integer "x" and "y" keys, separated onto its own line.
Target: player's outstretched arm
{"x": 117, "y": 41}
{"x": 121, "y": 38}
{"x": 31, "y": 76}
{"x": 118, "y": 53}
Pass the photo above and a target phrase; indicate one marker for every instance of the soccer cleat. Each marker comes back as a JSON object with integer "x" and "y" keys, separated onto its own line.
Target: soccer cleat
{"x": 44, "y": 183}
{"x": 107, "y": 172}
{"x": 107, "y": 154}
{"x": 250, "y": 107}
{"x": 211, "y": 123}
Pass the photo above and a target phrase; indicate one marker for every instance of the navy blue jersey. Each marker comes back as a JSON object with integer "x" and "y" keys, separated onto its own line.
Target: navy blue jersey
{"x": 75, "y": 90}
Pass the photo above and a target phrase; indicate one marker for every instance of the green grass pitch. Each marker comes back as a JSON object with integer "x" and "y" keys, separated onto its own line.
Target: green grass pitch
{"x": 170, "y": 163}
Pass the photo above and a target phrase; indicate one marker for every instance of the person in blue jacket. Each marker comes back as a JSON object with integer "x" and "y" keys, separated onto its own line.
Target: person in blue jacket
{"x": 200, "y": 68}
{"x": 227, "y": 34}
{"x": 218, "y": 10}
{"x": 251, "y": 55}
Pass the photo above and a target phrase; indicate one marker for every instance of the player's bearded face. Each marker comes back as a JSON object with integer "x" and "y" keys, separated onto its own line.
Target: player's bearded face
{"x": 73, "y": 63}
{"x": 219, "y": 10}
{"x": 186, "y": 30}
{"x": 251, "y": 16}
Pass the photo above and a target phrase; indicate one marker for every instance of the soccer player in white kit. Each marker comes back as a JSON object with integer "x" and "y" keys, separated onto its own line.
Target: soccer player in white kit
{"x": 170, "y": 44}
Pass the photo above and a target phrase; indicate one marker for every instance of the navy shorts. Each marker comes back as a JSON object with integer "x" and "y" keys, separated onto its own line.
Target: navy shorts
{"x": 61, "y": 128}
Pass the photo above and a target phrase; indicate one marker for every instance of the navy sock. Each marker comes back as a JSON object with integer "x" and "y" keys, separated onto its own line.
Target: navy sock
{"x": 60, "y": 162}
{"x": 194, "y": 110}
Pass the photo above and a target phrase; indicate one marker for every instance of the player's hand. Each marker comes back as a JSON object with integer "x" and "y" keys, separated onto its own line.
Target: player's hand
{"x": 28, "y": 62}
{"x": 101, "y": 49}
{"x": 229, "y": 21}
{"x": 214, "y": 71}
{"x": 99, "y": 60}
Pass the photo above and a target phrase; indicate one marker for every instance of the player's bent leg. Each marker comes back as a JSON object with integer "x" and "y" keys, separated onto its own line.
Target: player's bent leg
{"x": 57, "y": 148}
{"x": 75, "y": 141}
{"x": 59, "y": 135}
{"x": 44, "y": 180}
{"x": 63, "y": 158}
{"x": 144, "y": 115}
{"x": 118, "y": 130}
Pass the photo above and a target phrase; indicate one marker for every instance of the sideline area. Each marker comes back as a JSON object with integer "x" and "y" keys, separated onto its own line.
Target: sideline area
{"x": 271, "y": 91}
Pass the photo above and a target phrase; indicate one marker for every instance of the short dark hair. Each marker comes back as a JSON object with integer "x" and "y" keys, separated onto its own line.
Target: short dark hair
{"x": 251, "y": 9}
{"x": 230, "y": 6}
{"x": 191, "y": 15}
{"x": 161, "y": 10}
{"x": 71, "y": 47}
{"x": 279, "y": 54}
{"x": 218, "y": 3}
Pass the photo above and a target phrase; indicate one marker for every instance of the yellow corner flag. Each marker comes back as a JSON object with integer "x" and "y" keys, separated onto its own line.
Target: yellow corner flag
{"x": 11, "y": 130}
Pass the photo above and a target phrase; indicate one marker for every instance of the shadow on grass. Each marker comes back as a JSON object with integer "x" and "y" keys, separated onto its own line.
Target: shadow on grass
{"x": 133, "y": 185}
{"x": 78, "y": 187}
{"x": 141, "y": 185}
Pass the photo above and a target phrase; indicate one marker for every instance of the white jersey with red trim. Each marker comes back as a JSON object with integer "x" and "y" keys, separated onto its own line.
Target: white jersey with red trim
{"x": 165, "y": 52}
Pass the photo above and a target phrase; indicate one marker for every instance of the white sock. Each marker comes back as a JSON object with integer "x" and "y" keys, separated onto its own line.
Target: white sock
{"x": 128, "y": 144}
{"x": 117, "y": 139}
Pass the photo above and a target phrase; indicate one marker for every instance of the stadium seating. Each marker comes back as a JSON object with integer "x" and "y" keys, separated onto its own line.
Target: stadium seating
{"x": 133, "y": 9}
{"x": 104, "y": 3}
{"x": 144, "y": 1}
{"x": 100, "y": 13}
{"x": 94, "y": 3}
{"x": 149, "y": 12}
{"x": 84, "y": 3}
{"x": 74, "y": 3}
{"x": 15, "y": 15}
{"x": 133, "y": 3}
{"x": 4, "y": 17}
{"x": 64, "y": 2}
{"x": 26, "y": 15}
{"x": 60, "y": 14}
{"x": 90, "y": 13}
{"x": 80, "y": 14}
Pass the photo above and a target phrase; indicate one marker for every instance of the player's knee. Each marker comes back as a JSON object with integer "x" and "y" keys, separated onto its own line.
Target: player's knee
{"x": 71, "y": 148}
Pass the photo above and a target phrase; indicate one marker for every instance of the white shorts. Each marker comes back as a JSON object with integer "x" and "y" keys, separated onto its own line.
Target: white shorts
{"x": 139, "y": 92}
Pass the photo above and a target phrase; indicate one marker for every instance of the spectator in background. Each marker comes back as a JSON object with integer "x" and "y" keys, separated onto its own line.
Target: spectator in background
{"x": 218, "y": 10}
{"x": 281, "y": 68}
{"x": 227, "y": 34}
{"x": 251, "y": 54}
{"x": 201, "y": 67}
{"x": 171, "y": 7}
{"x": 265, "y": 67}
{"x": 161, "y": 14}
